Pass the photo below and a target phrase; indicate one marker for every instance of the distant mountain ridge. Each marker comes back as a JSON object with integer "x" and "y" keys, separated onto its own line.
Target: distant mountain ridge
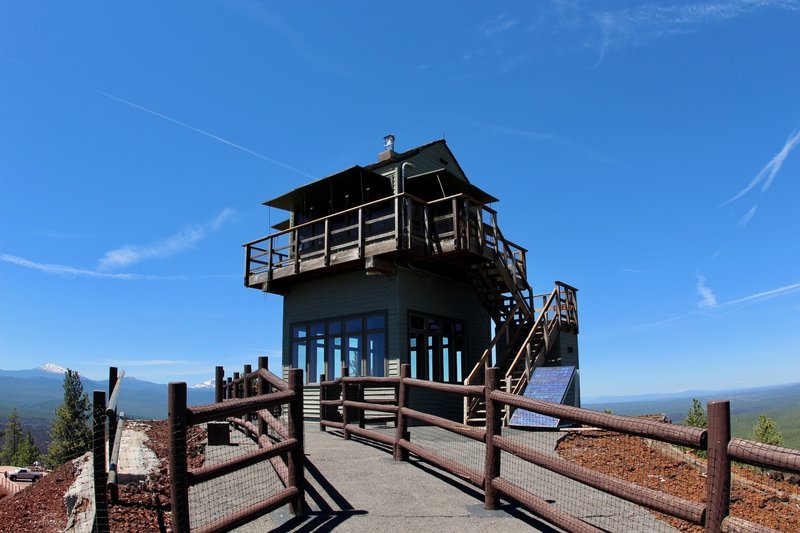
{"x": 36, "y": 393}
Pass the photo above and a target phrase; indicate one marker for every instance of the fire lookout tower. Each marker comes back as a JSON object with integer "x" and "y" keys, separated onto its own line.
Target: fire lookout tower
{"x": 402, "y": 261}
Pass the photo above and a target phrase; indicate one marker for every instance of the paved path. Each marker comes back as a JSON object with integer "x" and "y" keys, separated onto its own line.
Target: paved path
{"x": 357, "y": 486}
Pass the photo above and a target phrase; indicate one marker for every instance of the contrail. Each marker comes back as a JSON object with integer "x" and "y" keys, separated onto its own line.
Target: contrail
{"x": 204, "y": 132}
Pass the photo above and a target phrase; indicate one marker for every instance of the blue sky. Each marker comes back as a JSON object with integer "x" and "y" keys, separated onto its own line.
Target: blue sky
{"x": 646, "y": 153}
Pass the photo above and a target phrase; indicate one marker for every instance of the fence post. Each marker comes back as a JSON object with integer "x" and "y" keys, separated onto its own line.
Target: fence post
{"x": 295, "y": 430}
{"x": 179, "y": 490}
{"x": 229, "y": 388}
{"x": 362, "y": 414}
{"x": 400, "y": 453}
{"x": 323, "y": 409}
{"x": 112, "y": 420}
{"x": 247, "y": 382}
{"x": 345, "y": 410}
{"x": 718, "y": 480}
{"x": 492, "y": 460}
{"x": 219, "y": 384}
{"x": 112, "y": 428}
{"x": 261, "y": 389}
{"x": 237, "y": 393}
{"x": 99, "y": 462}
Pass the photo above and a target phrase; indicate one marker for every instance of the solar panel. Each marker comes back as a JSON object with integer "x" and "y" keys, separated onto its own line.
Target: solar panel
{"x": 549, "y": 384}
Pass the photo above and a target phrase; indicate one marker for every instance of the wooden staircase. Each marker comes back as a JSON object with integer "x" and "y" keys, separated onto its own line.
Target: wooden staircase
{"x": 524, "y": 333}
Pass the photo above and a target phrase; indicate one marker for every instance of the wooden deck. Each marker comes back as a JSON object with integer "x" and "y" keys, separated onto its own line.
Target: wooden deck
{"x": 399, "y": 225}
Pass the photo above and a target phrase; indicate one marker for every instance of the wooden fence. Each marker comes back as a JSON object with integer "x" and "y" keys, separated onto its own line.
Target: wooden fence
{"x": 713, "y": 514}
{"x": 240, "y": 400}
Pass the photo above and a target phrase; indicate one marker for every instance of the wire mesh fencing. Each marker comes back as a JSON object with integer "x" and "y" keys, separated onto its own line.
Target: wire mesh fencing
{"x": 253, "y": 460}
{"x": 617, "y": 473}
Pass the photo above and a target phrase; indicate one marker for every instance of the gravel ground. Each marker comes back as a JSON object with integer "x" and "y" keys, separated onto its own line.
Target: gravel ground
{"x": 757, "y": 498}
{"x": 39, "y": 507}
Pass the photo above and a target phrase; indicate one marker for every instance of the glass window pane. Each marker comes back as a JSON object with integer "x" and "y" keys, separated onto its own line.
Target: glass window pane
{"x": 376, "y": 354}
{"x": 459, "y": 373}
{"x": 335, "y": 357}
{"x": 316, "y": 329}
{"x": 334, "y": 326}
{"x": 317, "y": 362}
{"x": 353, "y": 347}
{"x": 445, "y": 363}
{"x": 298, "y": 332}
{"x": 376, "y": 322}
{"x": 352, "y": 325}
{"x": 299, "y": 356}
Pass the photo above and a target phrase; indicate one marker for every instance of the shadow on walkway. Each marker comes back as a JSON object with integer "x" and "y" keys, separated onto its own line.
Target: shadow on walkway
{"x": 326, "y": 508}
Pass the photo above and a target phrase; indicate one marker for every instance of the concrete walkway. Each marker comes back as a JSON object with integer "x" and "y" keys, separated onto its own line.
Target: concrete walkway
{"x": 358, "y": 486}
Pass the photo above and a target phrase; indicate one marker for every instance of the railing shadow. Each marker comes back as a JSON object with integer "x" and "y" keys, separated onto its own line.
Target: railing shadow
{"x": 324, "y": 517}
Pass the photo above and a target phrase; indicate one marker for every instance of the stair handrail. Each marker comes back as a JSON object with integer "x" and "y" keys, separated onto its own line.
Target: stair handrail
{"x": 539, "y": 321}
{"x": 483, "y": 361}
{"x": 547, "y": 330}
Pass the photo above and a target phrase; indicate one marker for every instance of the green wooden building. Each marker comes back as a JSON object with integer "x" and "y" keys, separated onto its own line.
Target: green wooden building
{"x": 402, "y": 261}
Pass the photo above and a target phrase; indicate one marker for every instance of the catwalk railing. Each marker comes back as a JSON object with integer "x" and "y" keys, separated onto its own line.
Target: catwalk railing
{"x": 107, "y": 428}
{"x": 268, "y": 412}
{"x": 713, "y": 514}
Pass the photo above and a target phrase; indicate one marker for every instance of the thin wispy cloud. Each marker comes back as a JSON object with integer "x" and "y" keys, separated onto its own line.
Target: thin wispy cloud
{"x": 605, "y": 30}
{"x": 64, "y": 270}
{"x": 707, "y": 297}
{"x": 770, "y": 170}
{"x": 747, "y": 217}
{"x": 765, "y": 295}
{"x": 540, "y": 136}
{"x": 186, "y": 238}
{"x": 206, "y": 133}
{"x": 147, "y": 362}
{"x": 499, "y": 24}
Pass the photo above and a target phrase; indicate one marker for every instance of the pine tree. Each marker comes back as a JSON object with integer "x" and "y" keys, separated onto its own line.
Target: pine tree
{"x": 28, "y": 451}
{"x": 71, "y": 432}
{"x": 766, "y": 431}
{"x": 12, "y": 438}
{"x": 696, "y": 417}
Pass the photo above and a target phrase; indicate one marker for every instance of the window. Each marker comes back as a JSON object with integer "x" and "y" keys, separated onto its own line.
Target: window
{"x": 436, "y": 348}
{"x": 325, "y": 346}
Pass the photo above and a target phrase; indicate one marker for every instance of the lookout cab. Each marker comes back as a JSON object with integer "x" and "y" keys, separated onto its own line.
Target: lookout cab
{"x": 403, "y": 261}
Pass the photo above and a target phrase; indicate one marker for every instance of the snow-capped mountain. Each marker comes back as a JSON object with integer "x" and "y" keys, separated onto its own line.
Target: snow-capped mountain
{"x": 208, "y": 384}
{"x": 52, "y": 368}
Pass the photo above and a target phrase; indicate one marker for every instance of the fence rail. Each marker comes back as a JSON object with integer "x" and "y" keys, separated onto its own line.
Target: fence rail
{"x": 713, "y": 514}
{"x": 252, "y": 402}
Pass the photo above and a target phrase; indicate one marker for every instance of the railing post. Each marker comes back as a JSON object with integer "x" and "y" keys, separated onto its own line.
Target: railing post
{"x": 296, "y": 249}
{"x": 229, "y": 388}
{"x": 326, "y": 248}
{"x": 246, "y": 382}
{"x": 112, "y": 420}
{"x": 345, "y": 396}
{"x": 261, "y": 389}
{"x": 236, "y": 386}
{"x": 362, "y": 414}
{"x": 492, "y": 460}
{"x": 400, "y": 453}
{"x": 360, "y": 232}
{"x": 323, "y": 395}
{"x": 295, "y": 430}
{"x": 397, "y": 238}
{"x": 219, "y": 384}
{"x": 246, "y": 390}
{"x": 112, "y": 428}
{"x": 99, "y": 462}
{"x": 718, "y": 480}
{"x": 179, "y": 483}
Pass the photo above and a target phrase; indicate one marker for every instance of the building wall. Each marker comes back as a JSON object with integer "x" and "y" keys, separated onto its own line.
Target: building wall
{"x": 406, "y": 290}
